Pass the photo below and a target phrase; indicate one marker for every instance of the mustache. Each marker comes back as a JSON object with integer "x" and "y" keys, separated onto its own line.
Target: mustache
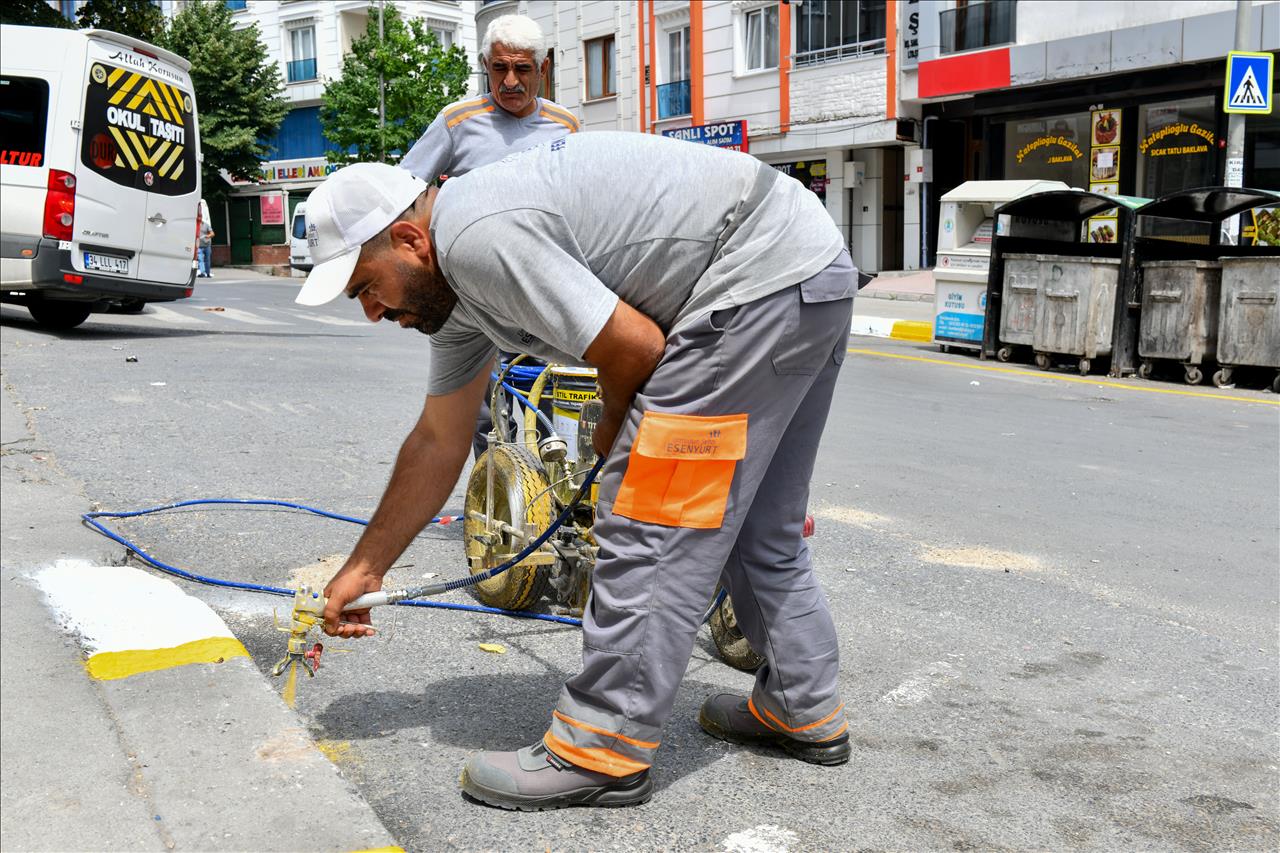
{"x": 514, "y": 90}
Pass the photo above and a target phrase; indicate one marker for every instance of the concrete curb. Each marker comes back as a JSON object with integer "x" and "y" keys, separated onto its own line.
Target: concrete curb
{"x": 884, "y": 327}
{"x": 193, "y": 755}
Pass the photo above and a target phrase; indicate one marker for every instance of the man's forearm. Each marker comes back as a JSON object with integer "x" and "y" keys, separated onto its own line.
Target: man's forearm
{"x": 421, "y": 482}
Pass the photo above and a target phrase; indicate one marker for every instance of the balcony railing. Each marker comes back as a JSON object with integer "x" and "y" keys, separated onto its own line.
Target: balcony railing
{"x": 978, "y": 25}
{"x": 673, "y": 99}
{"x": 301, "y": 70}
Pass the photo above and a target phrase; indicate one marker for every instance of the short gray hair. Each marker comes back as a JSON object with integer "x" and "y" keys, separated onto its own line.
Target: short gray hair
{"x": 517, "y": 32}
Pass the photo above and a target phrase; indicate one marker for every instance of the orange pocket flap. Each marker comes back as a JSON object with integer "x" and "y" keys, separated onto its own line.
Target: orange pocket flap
{"x": 663, "y": 435}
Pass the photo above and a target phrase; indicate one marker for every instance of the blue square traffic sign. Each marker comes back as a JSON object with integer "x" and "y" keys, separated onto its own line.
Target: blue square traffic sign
{"x": 1250, "y": 83}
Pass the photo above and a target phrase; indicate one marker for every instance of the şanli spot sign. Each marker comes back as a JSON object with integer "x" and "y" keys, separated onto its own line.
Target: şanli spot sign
{"x": 725, "y": 134}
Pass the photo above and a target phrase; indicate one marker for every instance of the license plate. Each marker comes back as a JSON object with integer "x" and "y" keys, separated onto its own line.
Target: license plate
{"x": 106, "y": 263}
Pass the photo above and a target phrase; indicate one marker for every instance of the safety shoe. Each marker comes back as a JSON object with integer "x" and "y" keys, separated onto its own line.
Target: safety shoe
{"x": 727, "y": 717}
{"x": 534, "y": 779}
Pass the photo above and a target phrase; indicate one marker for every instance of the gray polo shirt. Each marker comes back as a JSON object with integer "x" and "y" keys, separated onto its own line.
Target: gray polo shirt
{"x": 474, "y": 133}
{"x": 540, "y": 246}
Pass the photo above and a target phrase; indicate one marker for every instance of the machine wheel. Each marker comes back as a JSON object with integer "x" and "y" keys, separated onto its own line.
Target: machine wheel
{"x": 1275, "y": 384}
{"x": 1222, "y": 378}
{"x": 52, "y": 314}
{"x": 1084, "y": 366}
{"x": 733, "y": 647}
{"x": 1193, "y": 374}
{"x": 1004, "y": 353}
{"x": 517, "y": 481}
{"x": 943, "y": 348}
{"x": 1145, "y": 369}
{"x": 1042, "y": 360}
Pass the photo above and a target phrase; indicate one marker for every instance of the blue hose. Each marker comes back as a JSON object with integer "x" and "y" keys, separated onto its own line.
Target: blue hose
{"x": 90, "y": 518}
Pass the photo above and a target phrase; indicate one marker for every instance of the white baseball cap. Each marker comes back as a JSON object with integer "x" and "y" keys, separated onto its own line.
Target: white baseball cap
{"x": 351, "y": 207}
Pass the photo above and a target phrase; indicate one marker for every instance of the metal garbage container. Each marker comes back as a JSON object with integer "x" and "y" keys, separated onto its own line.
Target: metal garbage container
{"x": 1075, "y": 309}
{"x": 1179, "y": 320}
{"x": 1018, "y": 316}
{"x": 1249, "y": 316}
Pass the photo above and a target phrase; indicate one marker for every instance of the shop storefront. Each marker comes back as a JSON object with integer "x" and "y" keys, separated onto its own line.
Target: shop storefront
{"x": 256, "y": 216}
{"x": 1145, "y": 134}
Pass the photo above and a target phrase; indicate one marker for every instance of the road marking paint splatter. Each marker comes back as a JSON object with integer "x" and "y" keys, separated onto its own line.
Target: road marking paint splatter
{"x": 921, "y": 685}
{"x": 849, "y": 515}
{"x": 766, "y": 838}
{"x": 982, "y": 558}
{"x": 131, "y": 622}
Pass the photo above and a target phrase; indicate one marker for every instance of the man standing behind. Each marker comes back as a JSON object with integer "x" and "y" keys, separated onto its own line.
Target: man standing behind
{"x": 510, "y": 118}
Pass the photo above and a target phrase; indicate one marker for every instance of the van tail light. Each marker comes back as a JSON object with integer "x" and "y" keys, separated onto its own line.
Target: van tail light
{"x": 60, "y": 205}
{"x": 195, "y": 245}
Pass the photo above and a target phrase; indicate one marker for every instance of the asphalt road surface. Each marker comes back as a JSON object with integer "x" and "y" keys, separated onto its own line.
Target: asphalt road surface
{"x": 1057, "y": 596}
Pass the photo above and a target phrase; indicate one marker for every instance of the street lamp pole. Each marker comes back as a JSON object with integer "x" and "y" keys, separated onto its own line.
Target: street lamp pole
{"x": 382, "y": 90}
{"x": 1235, "y": 129}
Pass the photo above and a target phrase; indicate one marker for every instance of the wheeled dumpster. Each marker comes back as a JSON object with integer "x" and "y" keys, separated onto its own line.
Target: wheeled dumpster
{"x": 1018, "y": 294}
{"x": 1075, "y": 309}
{"x": 1055, "y": 284}
{"x": 1193, "y": 290}
{"x": 1179, "y": 320}
{"x": 1250, "y": 317}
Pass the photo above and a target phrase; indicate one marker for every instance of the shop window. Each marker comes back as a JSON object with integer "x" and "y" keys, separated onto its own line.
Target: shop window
{"x": 302, "y": 52}
{"x": 1055, "y": 148}
{"x": 975, "y": 24}
{"x": 828, "y": 30}
{"x": 760, "y": 41}
{"x": 600, "y": 65}
{"x": 1177, "y": 150}
{"x": 24, "y": 112}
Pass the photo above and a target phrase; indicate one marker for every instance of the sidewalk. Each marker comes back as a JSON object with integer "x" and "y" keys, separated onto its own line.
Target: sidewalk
{"x": 896, "y": 305}
{"x": 138, "y": 748}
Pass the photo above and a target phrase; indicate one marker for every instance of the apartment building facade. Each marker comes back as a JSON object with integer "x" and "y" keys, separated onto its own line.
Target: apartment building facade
{"x": 309, "y": 40}
{"x": 1119, "y": 97}
{"x": 807, "y": 87}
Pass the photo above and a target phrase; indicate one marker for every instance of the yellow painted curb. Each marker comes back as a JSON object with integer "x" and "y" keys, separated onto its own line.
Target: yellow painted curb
{"x": 106, "y": 666}
{"x": 912, "y": 330}
{"x": 381, "y": 850}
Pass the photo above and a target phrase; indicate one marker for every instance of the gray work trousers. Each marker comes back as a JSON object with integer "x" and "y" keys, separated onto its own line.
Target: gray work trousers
{"x": 774, "y": 360}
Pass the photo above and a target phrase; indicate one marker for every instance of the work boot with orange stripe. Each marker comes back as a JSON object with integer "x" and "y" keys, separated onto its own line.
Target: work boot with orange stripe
{"x": 727, "y": 717}
{"x": 533, "y": 780}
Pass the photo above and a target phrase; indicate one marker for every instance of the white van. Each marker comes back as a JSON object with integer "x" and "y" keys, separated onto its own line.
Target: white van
{"x": 99, "y": 173}
{"x": 299, "y": 251}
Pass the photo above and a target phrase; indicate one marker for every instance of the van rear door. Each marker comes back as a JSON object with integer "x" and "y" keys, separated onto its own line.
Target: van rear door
{"x": 138, "y": 174}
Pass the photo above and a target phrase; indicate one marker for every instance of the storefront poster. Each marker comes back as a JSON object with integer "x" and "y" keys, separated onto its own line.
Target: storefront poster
{"x": 1105, "y": 127}
{"x": 1103, "y": 229}
{"x": 271, "y": 208}
{"x": 1105, "y": 188}
{"x": 1260, "y": 227}
{"x": 811, "y": 173}
{"x": 1104, "y": 163}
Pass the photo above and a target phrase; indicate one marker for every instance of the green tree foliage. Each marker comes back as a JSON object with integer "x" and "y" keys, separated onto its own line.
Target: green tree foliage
{"x": 32, "y": 13}
{"x": 239, "y": 93}
{"x": 138, "y": 18}
{"x": 421, "y": 78}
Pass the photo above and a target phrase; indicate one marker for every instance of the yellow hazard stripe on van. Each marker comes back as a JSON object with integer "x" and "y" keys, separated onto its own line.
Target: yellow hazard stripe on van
{"x": 174, "y": 98}
{"x": 149, "y": 92}
{"x": 177, "y": 152}
{"x": 125, "y": 148}
{"x": 124, "y": 88}
{"x": 107, "y": 666}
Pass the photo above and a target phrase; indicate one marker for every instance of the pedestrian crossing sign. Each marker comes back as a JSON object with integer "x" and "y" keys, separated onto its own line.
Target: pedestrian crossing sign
{"x": 1250, "y": 83}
